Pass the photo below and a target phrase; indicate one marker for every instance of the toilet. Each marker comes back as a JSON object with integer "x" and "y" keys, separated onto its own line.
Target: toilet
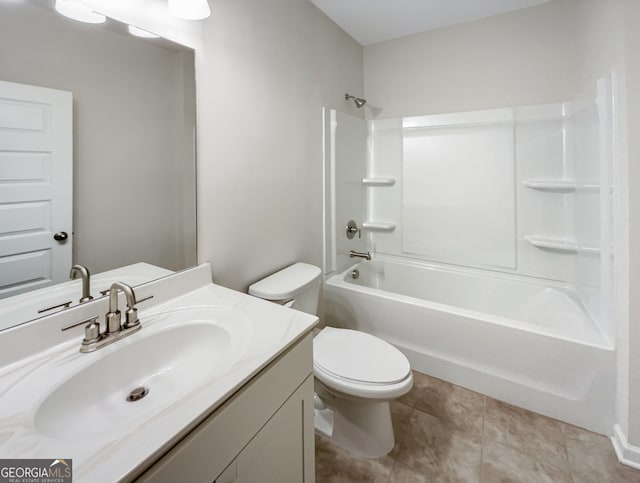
{"x": 356, "y": 374}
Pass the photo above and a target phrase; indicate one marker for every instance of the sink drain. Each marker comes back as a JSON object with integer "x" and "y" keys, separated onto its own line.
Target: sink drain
{"x": 137, "y": 394}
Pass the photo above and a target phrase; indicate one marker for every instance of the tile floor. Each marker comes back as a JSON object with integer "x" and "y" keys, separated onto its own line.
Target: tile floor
{"x": 445, "y": 433}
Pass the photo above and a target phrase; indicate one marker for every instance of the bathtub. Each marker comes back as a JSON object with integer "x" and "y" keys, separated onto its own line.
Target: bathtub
{"x": 529, "y": 344}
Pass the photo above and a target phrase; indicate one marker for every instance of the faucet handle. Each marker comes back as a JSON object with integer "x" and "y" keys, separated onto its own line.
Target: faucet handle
{"x": 82, "y": 322}
{"x": 131, "y": 317}
{"x": 91, "y": 331}
{"x": 352, "y": 229}
{"x": 132, "y": 314}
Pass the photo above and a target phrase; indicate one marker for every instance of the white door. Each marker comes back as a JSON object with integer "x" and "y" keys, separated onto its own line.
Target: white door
{"x": 36, "y": 183}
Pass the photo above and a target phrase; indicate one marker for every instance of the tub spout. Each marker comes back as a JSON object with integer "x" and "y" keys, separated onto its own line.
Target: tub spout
{"x": 366, "y": 256}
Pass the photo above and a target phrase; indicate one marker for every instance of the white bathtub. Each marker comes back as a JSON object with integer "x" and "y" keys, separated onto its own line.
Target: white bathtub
{"x": 524, "y": 343}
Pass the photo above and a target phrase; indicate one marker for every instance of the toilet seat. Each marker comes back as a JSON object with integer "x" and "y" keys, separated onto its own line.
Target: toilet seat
{"x": 359, "y": 364}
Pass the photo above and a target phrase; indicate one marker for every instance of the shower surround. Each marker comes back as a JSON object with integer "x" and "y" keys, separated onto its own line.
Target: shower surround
{"x": 492, "y": 239}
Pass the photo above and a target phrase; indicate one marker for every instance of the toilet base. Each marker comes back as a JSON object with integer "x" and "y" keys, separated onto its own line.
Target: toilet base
{"x": 362, "y": 427}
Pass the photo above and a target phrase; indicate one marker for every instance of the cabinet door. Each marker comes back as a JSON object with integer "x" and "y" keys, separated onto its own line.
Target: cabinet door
{"x": 279, "y": 403}
{"x": 283, "y": 450}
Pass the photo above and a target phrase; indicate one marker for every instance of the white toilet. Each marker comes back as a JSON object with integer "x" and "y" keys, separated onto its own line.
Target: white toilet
{"x": 356, "y": 374}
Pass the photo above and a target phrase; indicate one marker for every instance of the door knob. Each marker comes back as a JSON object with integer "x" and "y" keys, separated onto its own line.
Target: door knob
{"x": 60, "y": 236}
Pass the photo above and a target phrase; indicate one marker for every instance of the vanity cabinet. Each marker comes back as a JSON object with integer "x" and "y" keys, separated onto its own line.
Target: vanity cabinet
{"x": 263, "y": 433}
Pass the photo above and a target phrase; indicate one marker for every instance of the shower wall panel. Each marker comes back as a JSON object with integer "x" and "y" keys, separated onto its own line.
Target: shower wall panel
{"x": 514, "y": 189}
{"x": 458, "y": 199}
{"x": 345, "y": 166}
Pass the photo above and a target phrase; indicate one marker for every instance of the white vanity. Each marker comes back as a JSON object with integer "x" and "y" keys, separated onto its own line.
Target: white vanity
{"x": 229, "y": 389}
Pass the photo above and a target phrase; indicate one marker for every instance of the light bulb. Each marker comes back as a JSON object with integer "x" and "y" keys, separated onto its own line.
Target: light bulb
{"x": 138, "y": 32}
{"x": 76, "y": 11}
{"x": 189, "y": 9}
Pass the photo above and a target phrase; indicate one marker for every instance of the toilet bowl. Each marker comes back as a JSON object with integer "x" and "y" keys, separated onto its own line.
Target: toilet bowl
{"x": 356, "y": 374}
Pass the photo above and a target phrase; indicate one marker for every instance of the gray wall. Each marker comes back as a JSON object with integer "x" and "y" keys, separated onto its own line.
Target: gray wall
{"x": 525, "y": 57}
{"x": 129, "y": 118}
{"x": 264, "y": 73}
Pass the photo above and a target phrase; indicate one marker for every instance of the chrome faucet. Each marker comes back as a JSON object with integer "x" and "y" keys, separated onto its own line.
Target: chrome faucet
{"x": 114, "y": 316}
{"x": 86, "y": 281}
{"x": 366, "y": 256}
{"x": 115, "y": 330}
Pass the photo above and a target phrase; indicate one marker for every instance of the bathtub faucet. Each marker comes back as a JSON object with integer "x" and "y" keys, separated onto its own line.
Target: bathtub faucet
{"x": 366, "y": 256}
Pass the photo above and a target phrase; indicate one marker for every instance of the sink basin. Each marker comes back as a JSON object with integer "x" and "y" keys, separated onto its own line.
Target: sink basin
{"x": 173, "y": 354}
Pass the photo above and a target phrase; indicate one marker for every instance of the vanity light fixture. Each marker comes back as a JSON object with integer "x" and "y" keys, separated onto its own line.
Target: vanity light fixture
{"x": 138, "y": 32}
{"x": 76, "y": 11}
{"x": 189, "y": 9}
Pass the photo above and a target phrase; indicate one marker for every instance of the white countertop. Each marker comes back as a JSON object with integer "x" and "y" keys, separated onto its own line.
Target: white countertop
{"x": 125, "y": 451}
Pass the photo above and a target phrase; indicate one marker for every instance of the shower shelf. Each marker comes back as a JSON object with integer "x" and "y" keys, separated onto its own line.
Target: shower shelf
{"x": 560, "y": 185}
{"x": 378, "y": 181}
{"x": 378, "y": 226}
{"x": 560, "y": 245}
{"x": 551, "y": 185}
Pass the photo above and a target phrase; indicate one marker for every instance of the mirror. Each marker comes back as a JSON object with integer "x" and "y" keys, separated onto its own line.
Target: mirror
{"x": 102, "y": 122}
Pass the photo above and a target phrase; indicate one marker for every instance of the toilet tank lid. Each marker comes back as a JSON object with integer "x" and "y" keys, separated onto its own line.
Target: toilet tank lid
{"x": 286, "y": 283}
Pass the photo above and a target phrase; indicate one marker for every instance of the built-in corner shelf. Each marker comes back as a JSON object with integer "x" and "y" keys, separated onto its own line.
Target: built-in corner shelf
{"x": 551, "y": 185}
{"x": 560, "y": 245}
{"x": 559, "y": 185}
{"x": 381, "y": 226}
{"x": 378, "y": 181}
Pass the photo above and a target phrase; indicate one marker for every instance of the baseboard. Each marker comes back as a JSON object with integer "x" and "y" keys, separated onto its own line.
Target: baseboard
{"x": 628, "y": 454}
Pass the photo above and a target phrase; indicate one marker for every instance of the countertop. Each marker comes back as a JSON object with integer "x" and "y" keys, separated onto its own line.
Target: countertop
{"x": 123, "y": 454}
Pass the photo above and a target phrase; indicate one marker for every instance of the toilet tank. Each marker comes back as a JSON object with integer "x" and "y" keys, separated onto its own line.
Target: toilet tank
{"x": 299, "y": 282}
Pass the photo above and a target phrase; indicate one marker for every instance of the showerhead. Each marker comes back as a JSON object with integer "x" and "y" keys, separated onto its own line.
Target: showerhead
{"x": 359, "y": 102}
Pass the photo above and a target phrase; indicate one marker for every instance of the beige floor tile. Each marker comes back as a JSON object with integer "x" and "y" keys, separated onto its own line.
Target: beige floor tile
{"x": 439, "y": 450}
{"x": 444, "y": 400}
{"x": 400, "y": 416}
{"x": 538, "y": 436}
{"x": 593, "y": 460}
{"x": 403, "y": 474}
{"x": 503, "y": 464}
{"x": 514, "y": 445}
{"x": 336, "y": 465}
